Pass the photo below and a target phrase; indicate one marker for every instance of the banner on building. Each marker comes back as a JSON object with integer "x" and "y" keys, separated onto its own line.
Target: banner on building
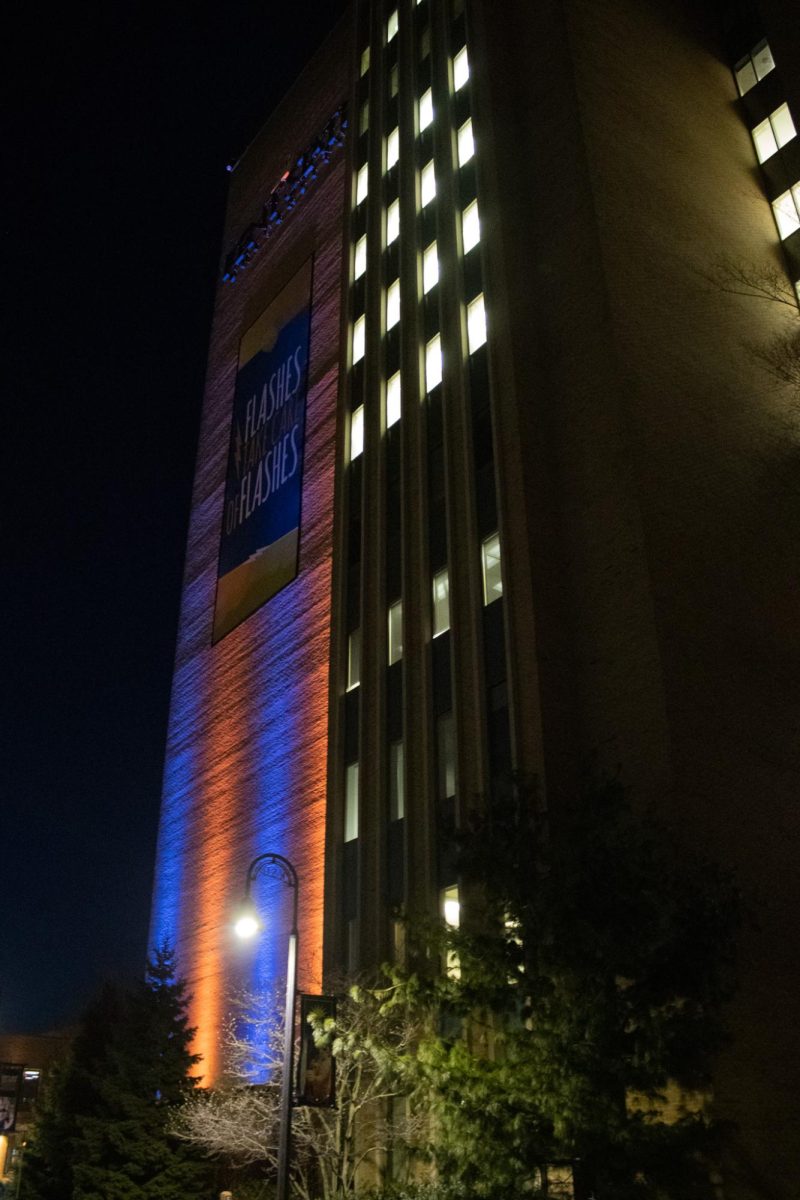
{"x": 316, "y": 1076}
{"x": 260, "y": 535}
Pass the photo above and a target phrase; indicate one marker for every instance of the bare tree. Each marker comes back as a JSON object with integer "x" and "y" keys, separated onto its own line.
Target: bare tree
{"x": 780, "y": 355}
{"x": 238, "y": 1121}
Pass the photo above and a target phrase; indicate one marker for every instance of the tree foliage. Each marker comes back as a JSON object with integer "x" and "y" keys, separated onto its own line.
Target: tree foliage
{"x": 593, "y": 962}
{"x": 102, "y": 1131}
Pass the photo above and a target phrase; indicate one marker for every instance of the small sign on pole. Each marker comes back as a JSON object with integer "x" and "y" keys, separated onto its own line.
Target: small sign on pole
{"x": 316, "y": 1082}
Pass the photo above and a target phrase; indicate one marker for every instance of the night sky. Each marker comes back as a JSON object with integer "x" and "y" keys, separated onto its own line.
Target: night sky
{"x": 123, "y": 120}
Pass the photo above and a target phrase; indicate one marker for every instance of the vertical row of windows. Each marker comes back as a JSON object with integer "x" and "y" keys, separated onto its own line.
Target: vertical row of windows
{"x": 774, "y": 136}
{"x": 435, "y": 362}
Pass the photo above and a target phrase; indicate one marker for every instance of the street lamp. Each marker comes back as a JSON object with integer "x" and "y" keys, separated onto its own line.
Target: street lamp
{"x": 247, "y": 924}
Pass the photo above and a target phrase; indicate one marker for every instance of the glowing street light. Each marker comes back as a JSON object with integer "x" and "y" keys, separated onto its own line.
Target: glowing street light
{"x": 246, "y": 926}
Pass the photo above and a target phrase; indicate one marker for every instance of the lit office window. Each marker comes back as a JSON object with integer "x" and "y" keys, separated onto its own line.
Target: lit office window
{"x": 359, "y": 336}
{"x": 466, "y": 144}
{"x": 392, "y": 222}
{"x": 460, "y": 69}
{"x": 476, "y": 324}
{"x": 391, "y": 26}
{"x": 470, "y": 226}
{"x": 425, "y": 109}
{"x": 363, "y": 118}
{"x": 492, "y": 575}
{"x": 361, "y": 183}
{"x": 351, "y": 802}
{"x": 754, "y": 66}
{"x": 393, "y": 304}
{"x": 445, "y": 757}
{"x": 356, "y": 432}
{"x": 395, "y": 631}
{"x": 427, "y": 184}
{"x": 353, "y": 659}
{"x": 451, "y": 907}
{"x": 787, "y": 211}
{"x": 360, "y": 259}
{"x": 776, "y": 131}
{"x": 441, "y": 602}
{"x": 365, "y": 61}
{"x": 392, "y": 148}
{"x": 430, "y": 267}
{"x": 433, "y": 363}
{"x": 394, "y": 405}
{"x": 397, "y": 788}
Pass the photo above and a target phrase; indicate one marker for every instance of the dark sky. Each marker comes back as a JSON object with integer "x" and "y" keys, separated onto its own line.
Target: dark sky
{"x": 123, "y": 119}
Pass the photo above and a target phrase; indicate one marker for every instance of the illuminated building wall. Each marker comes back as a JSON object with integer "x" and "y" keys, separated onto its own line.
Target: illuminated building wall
{"x": 549, "y": 508}
{"x": 248, "y": 735}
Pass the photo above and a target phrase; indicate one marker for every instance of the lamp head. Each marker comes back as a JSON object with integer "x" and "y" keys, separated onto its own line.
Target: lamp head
{"x": 247, "y": 923}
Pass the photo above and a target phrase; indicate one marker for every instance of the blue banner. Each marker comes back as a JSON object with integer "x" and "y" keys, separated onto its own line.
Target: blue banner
{"x": 263, "y": 487}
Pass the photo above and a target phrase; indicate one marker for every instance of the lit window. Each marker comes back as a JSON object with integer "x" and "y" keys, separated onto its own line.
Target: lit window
{"x": 492, "y": 577}
{"x": 395, "y": 631}
{"x": 451, "y": 907}
{"x": 460, "y": 69}
{"x": 430, "y": 267}
{"x": 365, "y": 61}
{"x": 392, "y": 148}
{"x": 425, "y": 109}
{"x": 476, "y": 324}
{"x": 391, "y": 26}
{"x": 361, "y": 183}
{"x": 754, "y": 66}
{"x": 776, "y": 131}
{"x": 360, "y": 261}
{"x": 787, "y": 211}
{"x": 392, "y": 221}
{"x": 394, "y": 82}
{"x": 445, "y": 757}
{"x": 393, "y": 304}
{"x": 351, "y": 802}
{"x": 466, "y": 145}
{"x": 427, "y": 184}
{"x": 441, "y": 602}
{"x": 470, "y": 226}
{"x": 353, "y": 659}
{"x": 397, "y": 791}
{"x": 357, "y": 432}
{"x": 433, "y": 363}
{"x": 393, "y": 400}
{"x": 359, "y": 333}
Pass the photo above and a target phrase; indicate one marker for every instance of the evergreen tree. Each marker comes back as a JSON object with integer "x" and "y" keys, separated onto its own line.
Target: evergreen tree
{"x": 103, "y": 1132}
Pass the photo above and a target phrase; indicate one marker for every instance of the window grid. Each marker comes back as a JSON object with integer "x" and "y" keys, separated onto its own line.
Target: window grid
{"x": 394, "y": 405}
{"x": 773, "y": 133}
{"x": 430, "y": 267}
{"x": 470, "y": 226}
{"x": 753, "y": 67}
{"x": 787, "y": 211}
{"x": 357, "y": 432}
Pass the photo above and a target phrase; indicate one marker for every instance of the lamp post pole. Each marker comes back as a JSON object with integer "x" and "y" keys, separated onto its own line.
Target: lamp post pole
{"x": 288, "y": 874}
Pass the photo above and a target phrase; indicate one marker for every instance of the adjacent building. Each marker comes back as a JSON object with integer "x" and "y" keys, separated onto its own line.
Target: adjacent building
{"x": 491, "y": 474}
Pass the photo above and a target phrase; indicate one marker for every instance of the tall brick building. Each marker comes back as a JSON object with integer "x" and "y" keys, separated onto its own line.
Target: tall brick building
{"x": 490, "y": 475}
